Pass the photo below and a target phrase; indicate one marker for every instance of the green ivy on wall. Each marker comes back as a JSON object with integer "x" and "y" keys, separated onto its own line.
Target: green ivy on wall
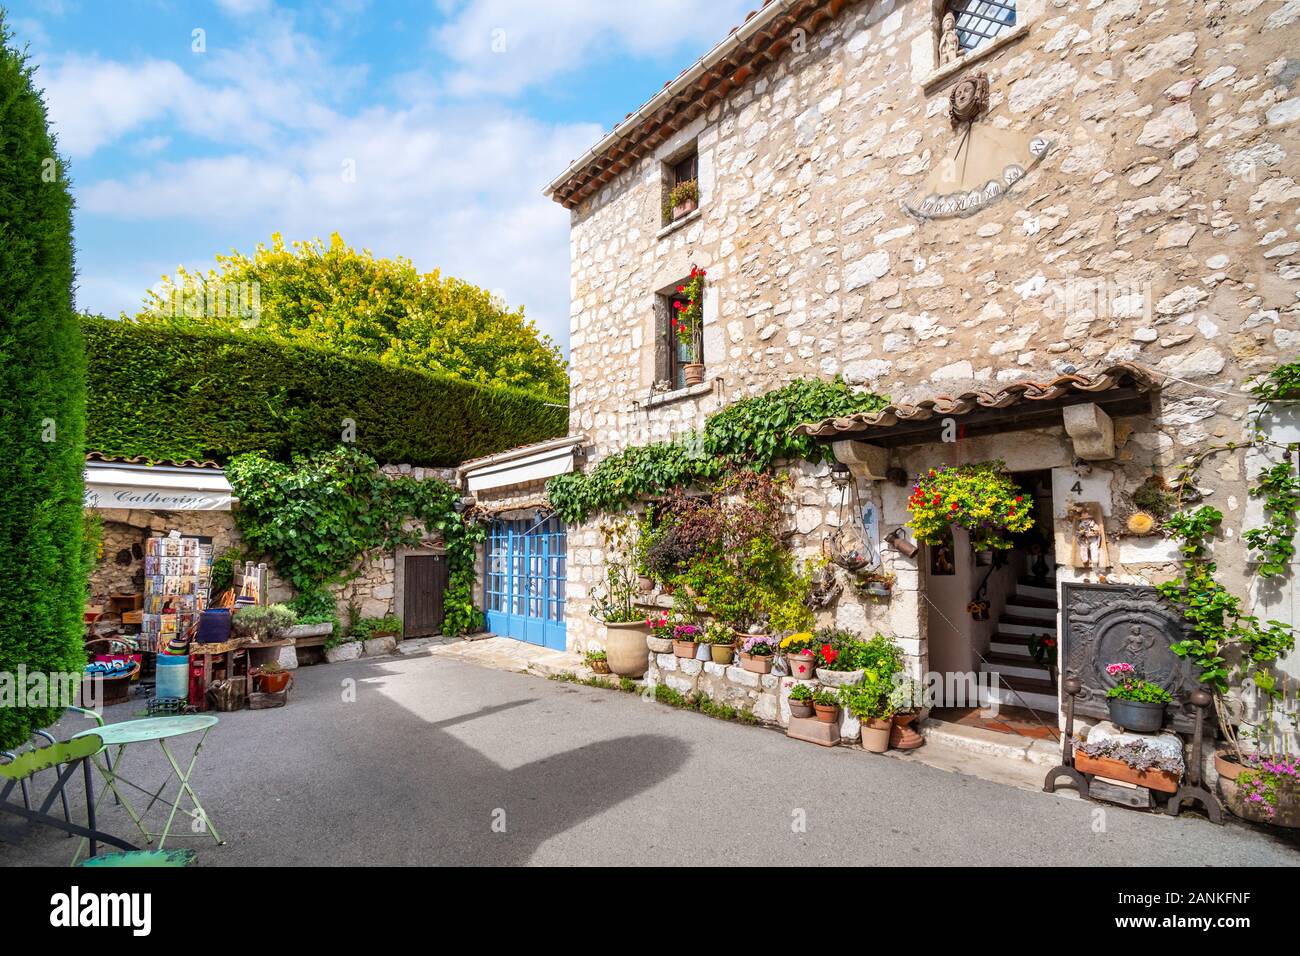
{"x": 752, "y": 432}
{"x": 316, "y": 517}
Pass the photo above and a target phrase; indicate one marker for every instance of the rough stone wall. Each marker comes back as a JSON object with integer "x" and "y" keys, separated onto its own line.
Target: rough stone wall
{"x": 1161, "y": 227}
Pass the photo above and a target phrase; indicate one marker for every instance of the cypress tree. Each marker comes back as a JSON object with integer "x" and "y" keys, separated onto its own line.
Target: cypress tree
{"x": 42, "y": 405}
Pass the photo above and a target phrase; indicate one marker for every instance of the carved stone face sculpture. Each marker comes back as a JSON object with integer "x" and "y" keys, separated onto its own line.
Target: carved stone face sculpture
{"x": 949, "y": 22}
{"x": 963, "y": 100}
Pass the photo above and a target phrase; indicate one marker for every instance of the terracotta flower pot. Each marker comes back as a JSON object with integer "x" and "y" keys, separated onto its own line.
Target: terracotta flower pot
{"x": 901, "y": 734}
{"x": 1161, "y": 780}
{"x": 273, "y": 683}
{"x": 801, "y": 708}
{"x": 827, "y": 713}
{"x": 684, "y": 209}
{"x": 600, "y": 667}
{"x": 626, "y": 649}
{"x": 801, "y": 665}
{"x": 685, "y": 648}
{"x": 756, "y": 664}
{"x": 875, "y": 735}
{"x": 1287, "y": 813}
{"x": 645, "y": 584}
{"x": 722, "y": 653}
{"x": 693, "y": 373}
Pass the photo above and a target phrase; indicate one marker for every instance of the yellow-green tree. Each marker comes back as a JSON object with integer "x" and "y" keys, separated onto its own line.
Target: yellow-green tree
{"x": 332, "y": 295}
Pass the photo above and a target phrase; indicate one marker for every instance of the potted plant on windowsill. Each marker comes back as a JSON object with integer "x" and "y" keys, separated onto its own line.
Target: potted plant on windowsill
{"x": 613, "y": 602}
{"x": 1135, "y": 704}
{"x": 689, "y": 308}
{"x": 757, "y": 653}
{"x": 801, "y": 701}
{"x": 682, "y": 200}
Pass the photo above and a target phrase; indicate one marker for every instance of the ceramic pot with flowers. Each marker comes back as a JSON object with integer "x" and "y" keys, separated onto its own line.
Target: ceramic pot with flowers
{"x": 1135, "y": 703}
{"x": 757, "y": 652}
{"x": 802, "y": 665}
{"x": 686, "y": 640}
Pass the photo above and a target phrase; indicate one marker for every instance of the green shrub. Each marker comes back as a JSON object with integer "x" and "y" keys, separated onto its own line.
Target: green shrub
{"x": 262, "y": 622}
{"x": 42, "y": 403}
{"x": 166, "y": 393}
{"x": 368, "y": 627}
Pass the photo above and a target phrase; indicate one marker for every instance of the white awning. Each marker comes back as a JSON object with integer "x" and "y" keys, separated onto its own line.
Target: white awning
{"x": 521, "y": 465}
{"x": 156, "y": 487}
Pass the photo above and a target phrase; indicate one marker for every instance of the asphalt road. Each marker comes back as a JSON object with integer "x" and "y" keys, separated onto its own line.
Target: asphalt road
{"x": 429, "y": 761}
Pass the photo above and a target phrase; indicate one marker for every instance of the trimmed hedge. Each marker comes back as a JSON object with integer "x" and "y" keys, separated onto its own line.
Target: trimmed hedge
{"x": 42, "y": 409}
{"x": 163, "y": 393}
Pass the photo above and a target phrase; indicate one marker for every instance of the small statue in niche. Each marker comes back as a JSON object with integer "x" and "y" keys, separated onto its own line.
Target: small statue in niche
{"x": 949, "y": 45}
{"x": 1089, "y": 537}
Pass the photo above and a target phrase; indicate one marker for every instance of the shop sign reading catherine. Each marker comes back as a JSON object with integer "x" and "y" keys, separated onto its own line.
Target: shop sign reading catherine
{"x": 984, "y": 165}
{"x": 155, "y": 499}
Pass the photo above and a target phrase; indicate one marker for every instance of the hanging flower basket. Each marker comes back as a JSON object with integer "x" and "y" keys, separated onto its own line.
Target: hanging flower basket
{"x": 980, "y": 497}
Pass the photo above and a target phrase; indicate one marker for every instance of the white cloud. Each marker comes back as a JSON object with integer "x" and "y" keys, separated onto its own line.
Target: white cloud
{"x": 504, "y": 46}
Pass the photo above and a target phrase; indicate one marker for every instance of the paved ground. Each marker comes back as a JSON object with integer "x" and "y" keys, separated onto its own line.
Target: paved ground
{"x": 432, "y": 752}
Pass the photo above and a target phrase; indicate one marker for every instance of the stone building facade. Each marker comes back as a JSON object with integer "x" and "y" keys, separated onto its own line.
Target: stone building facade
{"x": 1153, "y": 220}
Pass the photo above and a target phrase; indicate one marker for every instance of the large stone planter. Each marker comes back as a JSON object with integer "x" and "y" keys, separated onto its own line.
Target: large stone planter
{"x": 659, "y": 645}
{"x": 347, "y": 651}
{"x": 626, "y": 648}
{"x": 380, "y": 646}
{"x": 838, "y": 678}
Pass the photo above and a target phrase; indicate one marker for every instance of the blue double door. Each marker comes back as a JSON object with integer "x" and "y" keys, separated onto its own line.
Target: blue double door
{"x": 525, "y": 581}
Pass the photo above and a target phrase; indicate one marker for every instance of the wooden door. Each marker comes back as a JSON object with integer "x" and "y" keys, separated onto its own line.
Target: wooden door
{"x": 424, "y": 583}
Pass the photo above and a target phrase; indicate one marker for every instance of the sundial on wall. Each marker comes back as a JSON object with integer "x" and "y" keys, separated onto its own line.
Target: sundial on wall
{"x": 983, "y": 165}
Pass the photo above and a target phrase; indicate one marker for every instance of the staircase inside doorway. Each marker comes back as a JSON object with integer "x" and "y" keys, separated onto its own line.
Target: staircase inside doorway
{"x": 1022, "y": 681}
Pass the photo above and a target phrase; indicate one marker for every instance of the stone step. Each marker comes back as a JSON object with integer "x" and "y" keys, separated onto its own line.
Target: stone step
{"x": 980, "y": 740}
{"x": 1030, "y": 612}
{"x": 1019, "y": 691}
{"x": 1025, "y": 626}
{"x": 1015, "y": 665}
{"x": 1033, "y": 600}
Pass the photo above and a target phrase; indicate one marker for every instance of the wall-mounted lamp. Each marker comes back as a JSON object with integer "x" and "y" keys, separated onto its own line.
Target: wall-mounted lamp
{"x": 840, "y": 474}
{"x": 897, "y": 539}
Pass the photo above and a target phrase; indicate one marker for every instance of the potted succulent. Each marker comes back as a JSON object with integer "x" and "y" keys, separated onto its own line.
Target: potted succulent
{"x": 722, "y": 643}
{"x": 800, "y": 651}
{"x": 827, "y": 706}
{"x": 757, "y": 652}
{"x": 686, "y": 639}
{"x": 272, "y": 678}
{"x": 801, "y": 701}
{"x": 1133, "y": 761}
{"x": 598, "y": 661}
{"x": 1135, "y": 704}
{"x": 870, "y": 702}
{"x": 613, "y": 602}
{"x": 660, "y": 640}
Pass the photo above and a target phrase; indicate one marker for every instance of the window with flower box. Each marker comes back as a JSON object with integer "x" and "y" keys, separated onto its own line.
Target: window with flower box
{"x": 681, "y": 190}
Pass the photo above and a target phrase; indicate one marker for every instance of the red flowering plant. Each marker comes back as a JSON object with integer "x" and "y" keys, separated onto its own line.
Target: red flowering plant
{"x": 980, "y": 497}
{"x": 688, "y": 305}
{"x": 660, "y": 626}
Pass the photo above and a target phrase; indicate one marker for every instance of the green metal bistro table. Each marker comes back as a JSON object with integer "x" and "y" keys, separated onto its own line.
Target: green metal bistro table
{"x": 161, "y": 729}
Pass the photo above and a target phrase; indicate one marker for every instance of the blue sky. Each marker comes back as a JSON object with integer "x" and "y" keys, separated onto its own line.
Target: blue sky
{"x": 193, "y": 128}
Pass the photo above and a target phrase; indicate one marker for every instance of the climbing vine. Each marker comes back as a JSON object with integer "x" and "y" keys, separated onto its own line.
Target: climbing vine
{"x": 750, "y": 433}
{"x": 1279, "y": 486}
{"x": 316, "y": 517}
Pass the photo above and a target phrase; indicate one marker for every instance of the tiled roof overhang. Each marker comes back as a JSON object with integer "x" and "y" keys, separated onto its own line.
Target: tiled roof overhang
{"x": 1121, "y": 389}
{"x": 766, "y": 34}
{"x": 96, "y": 456}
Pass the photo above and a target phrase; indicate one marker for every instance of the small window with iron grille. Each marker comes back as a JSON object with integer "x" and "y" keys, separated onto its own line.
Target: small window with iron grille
{"x": 979, "y": 21}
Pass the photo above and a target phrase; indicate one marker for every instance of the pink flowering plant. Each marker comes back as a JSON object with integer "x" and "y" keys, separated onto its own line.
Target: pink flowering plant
{"x": 659, "y": 626}
{"x": 687, "y": 633}
{"x": 1131, "y": 685}
{"x": 1264, "y": 776}
{"x": 759, "y": 645}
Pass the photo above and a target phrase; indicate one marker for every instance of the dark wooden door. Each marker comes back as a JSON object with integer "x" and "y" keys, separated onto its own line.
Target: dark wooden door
{"x": 424, "y": 582}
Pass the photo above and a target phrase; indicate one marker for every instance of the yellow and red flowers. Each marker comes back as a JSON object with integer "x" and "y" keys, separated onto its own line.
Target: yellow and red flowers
{"x": 980, "y": 497}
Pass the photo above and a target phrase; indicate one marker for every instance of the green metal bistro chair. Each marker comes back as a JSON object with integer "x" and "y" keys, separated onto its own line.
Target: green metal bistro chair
{"x": 64, "y": 758}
